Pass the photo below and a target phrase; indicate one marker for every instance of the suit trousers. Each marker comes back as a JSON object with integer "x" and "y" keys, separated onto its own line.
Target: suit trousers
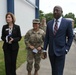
{"x": 10, "y": 57}
{"x": 57, "y": 64}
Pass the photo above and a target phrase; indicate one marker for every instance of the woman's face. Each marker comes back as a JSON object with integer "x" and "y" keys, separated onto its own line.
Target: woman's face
{"x": 43, "y": 20}
{"x": 35, "y": 26}
{"x": 9, "y": 19}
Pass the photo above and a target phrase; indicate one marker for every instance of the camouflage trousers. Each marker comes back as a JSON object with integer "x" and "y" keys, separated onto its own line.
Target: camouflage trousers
{"x": 33, "y": 59}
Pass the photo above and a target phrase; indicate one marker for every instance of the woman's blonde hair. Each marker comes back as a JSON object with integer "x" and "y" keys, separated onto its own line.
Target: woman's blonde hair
{"x": 12, "y": 15}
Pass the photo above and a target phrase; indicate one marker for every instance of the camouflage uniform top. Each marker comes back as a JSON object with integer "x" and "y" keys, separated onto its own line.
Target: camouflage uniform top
{"x": 34, "y": 38}
{"x": 43, "y": 28}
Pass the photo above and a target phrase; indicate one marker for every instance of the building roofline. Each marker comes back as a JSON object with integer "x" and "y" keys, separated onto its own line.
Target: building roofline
{"x": 30, "y": 3}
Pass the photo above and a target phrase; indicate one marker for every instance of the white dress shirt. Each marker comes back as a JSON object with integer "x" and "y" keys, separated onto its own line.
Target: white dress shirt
{"x": 58, "y": 22}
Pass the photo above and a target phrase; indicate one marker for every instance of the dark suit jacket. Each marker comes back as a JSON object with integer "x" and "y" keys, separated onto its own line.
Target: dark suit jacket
{"x": 16, "y": 35}
{"x": 58, "y": 44}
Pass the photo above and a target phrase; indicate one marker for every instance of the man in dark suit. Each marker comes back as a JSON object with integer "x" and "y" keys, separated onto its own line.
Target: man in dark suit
{"x": 59, "y": 37}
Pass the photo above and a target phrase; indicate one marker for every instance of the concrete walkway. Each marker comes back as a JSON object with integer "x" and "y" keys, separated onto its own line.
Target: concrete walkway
{"x": 70, "y": 65}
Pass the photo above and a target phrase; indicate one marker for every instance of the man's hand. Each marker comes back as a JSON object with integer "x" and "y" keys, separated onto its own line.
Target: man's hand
{"x": 44, "y": 55}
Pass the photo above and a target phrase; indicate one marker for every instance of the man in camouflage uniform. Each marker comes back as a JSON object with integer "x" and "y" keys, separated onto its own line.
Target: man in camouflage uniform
{"x": 34, "y": 43}
{"x": 43, "y": 24}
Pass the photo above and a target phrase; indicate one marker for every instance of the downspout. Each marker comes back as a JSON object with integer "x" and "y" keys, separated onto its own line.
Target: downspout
{"x": 10, "y": 6}
{"x": 37, "y": 9}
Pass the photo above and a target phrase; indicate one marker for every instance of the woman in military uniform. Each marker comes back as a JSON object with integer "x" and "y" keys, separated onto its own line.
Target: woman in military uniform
{"x": 43, "y": 24}
{"x": 34, "y": 43}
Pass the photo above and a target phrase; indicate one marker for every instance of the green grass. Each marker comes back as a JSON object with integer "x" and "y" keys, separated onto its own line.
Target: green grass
{"x": 22, "y": 53}
{"x": 20, "y": 59}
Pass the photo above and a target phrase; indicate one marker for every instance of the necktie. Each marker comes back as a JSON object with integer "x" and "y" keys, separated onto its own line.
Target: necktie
{"x": 55, "y": 28}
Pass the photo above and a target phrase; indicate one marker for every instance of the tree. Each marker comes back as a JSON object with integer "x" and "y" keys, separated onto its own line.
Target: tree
{"x": 41, "y": 14}
{"x": 49, "y": 16}
{"x": 75, "y": 22}
{"x": 70, "y": 15}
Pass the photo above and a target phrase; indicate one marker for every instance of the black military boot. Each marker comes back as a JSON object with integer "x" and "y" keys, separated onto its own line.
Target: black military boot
{"x": 29, "y": 73}
{"x": 36, "y": 72}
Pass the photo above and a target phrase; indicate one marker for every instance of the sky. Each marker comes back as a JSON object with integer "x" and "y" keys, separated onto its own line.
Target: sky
{"x": 67, "y": 5}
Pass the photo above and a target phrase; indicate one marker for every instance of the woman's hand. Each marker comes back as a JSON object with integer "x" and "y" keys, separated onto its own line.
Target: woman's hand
{"x": 11, "y": 39}
{"x": 39, "y": 48}
{"x": 32, "y": 47}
